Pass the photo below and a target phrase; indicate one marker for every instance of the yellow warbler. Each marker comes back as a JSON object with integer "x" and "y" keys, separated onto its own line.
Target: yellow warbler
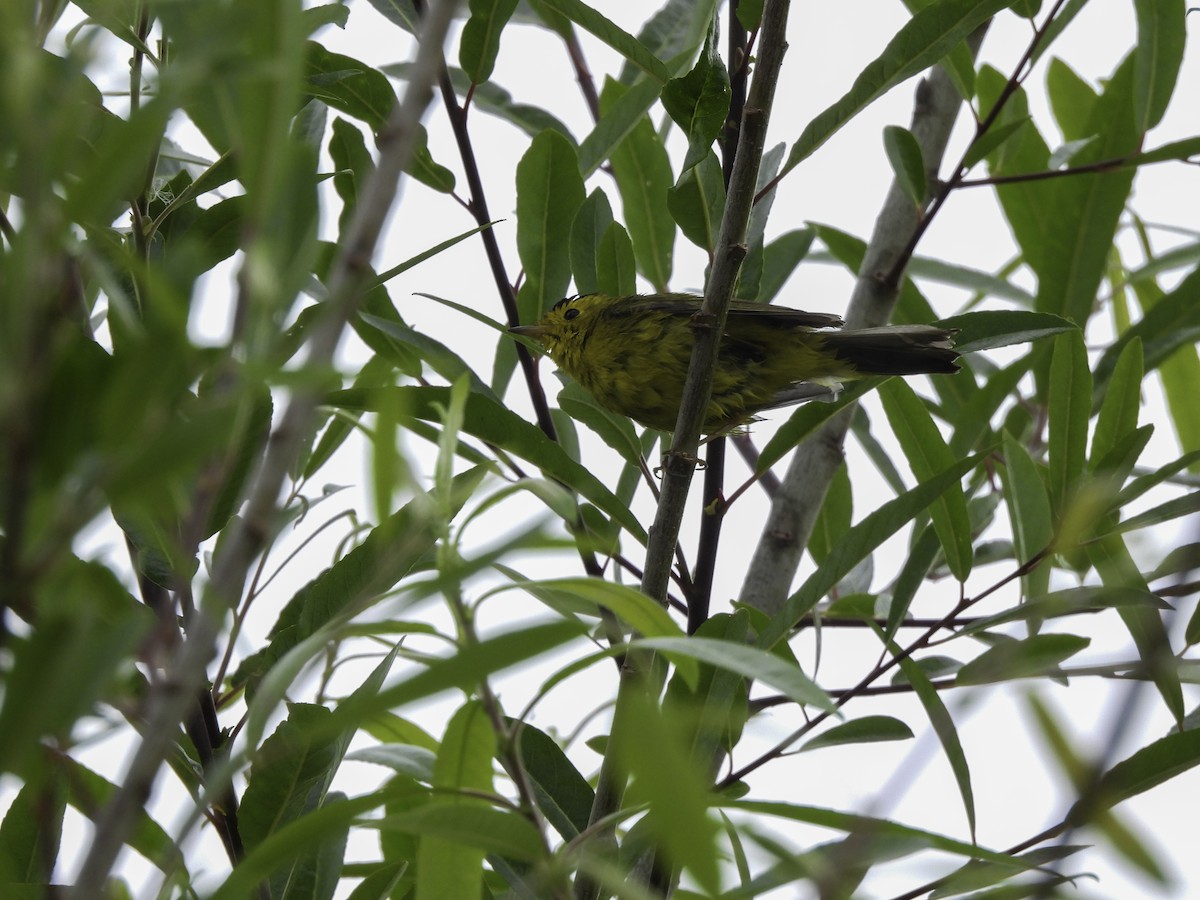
{"x": 632, "y": 354}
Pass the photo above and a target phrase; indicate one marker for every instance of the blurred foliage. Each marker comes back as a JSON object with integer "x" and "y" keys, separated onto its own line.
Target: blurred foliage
{"x": 1035, "y": 494}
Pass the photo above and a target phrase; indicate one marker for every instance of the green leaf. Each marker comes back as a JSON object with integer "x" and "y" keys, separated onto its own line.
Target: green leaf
{"x": 699, "y": 102}
{"x": 807, "y": 419}
{"x": 348, "y": 85}
{"x": 1119, "y": 409}
{"x": 1154, "y": 764}
{"x": 780, "y": 259}
{"x": 549, "y": 195}
{"x": 1028, "y": 508}
{"x": 488, "y": 830}
{"x": 643, "y": 172}
{"x": 753, "y": 663}
{"x": 988, "y": 142}
{"x": 407, "y": 759}
{"x": 697, "y": 202}
{"x": 633, "y": 607}
{"x": 907, "y": 162}
{"x": 861, "y": 540}
{"x": 449, "y": 866}
{"x": 1162, "y": 34}
{"x": 989, "y": 329}
{"x": 922, "y": 41}
{"x": 616, "y": 269}
{"x": 1070, "y": 409}
{"x": 973, "y": 421}
{"x": 1171, "y": 323}
{"x": 656, "y": 749}
{"x": 943, "y": 727}
{"x": 674, "y": 33}
{"x": 479, "y": 42}
{"x": 31, "y": 833}
{"x": 591, "y": 223}
{"x": 88, "y": 628}
{"x": 307, "y": 834}
{"x": 927, "y": 455}
{"x": 1028, "y": 658}
{"x": 833, "y": 521}
{"x": 868, "y": 729}
{"x": 289, "y": 778}
{"x": 564, "y": 796}
{"x": 1071, "y": 99}
{"x": 616, "y": 37}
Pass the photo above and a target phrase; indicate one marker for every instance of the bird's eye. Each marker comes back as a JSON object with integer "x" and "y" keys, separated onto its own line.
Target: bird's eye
{"x": 571, "y": 313}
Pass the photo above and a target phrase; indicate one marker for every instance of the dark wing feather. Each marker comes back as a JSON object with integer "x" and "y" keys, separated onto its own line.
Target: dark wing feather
{"x": 689, "y": 305}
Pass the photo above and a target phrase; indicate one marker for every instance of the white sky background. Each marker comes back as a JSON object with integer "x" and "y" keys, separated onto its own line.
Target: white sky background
{"x": 1017, "y": 791}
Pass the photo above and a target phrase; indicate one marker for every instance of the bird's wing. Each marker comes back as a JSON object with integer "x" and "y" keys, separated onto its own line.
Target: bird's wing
{"x": 689, "y": 305}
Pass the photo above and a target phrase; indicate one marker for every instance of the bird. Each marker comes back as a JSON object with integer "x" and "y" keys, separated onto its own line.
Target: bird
{"x": 632, "y": 354}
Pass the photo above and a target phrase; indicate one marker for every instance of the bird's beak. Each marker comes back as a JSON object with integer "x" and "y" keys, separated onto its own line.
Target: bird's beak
{"x": 537, "y": 332}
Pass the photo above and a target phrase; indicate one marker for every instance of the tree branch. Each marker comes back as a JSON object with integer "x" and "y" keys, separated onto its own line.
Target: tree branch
{"x": 795, "y": 507}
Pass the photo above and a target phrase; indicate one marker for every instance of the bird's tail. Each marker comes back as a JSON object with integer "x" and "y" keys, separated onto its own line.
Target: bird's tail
{"x": 895, "y": 350}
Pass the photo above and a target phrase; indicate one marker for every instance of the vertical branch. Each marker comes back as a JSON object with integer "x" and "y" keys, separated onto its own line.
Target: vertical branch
{"x": 713, "y": 492}
{"x": 680, "y": 461}
{"x": 795, "y": 507}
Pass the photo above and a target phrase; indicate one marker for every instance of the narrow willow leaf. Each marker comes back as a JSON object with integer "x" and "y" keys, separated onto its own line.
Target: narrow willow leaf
{"x": 478, "y": 826}
{"x": 407, "y": 759}
{"x": 944, "y": 728}
{"x": 673, "y": 33}
{"x": 549, "y": 194}
{"x": 988, "y": 329}
{"x": 1117, "y": 569}
{"x": 1159, "y": 54}
{"x": 1028, "y": 658}
{"x": 643, "y": 172}
{"x": 753, "y": 663}
{"x": 1149, "y": 767}
{"x": 927, "y": 454}
{"x": 699, "y": 102}
{"x": 833, "y": 521}
{"x": 673, "y": 783}
{"x": 616, "y": 268}
{"x": 448, "y": 866}
{"x": 564, "y": 796}
{"x": 780, "y": 259}
{"x": 1029, "y": 511}
{"x": 973, "y": 422}
{"x": 990, "y": 140}
{"x": 591, "y": 222}
{"x": 633, "y": 607}
{"x": 907, "y": 162}
{"x": 1122, "y": 400}
{"x": 868, "y": 729}
{"x": 697, "y": 202}
{"x": 807, "y": 419}
{"x": 1070, "y": 408}
{"x": 479, "y": 43}
{"x": 1172, "y": 322}
{"x": 1071, "y": 100}
{"x": 616, "y": 123}
{"x": 616, "y": 37}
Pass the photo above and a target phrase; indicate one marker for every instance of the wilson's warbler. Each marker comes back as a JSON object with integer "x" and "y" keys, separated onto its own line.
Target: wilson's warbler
{"x": 632, "y": 354}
